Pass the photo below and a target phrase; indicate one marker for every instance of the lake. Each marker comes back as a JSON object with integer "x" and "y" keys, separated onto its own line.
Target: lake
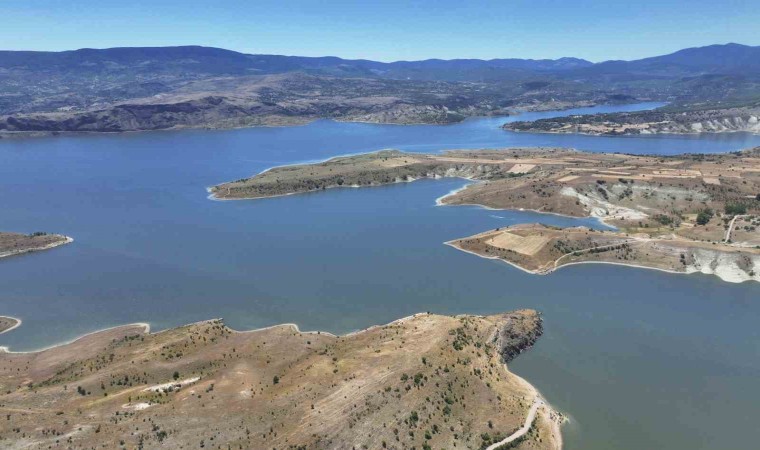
{"x": 636, "y": 358}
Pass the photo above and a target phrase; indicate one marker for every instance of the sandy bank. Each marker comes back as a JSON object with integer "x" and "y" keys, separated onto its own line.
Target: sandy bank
{"x": 66, "y": 240}
{"x": 723, "y": 272}
{"x": 8, "y": 323}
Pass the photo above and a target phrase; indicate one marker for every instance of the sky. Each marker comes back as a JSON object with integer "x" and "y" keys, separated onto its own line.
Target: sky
{"x": 386, "y": 30}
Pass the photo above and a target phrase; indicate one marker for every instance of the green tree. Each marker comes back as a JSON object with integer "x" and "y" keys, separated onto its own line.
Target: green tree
{"x": 735, "y": 208}
{"x": 704, "y": 216}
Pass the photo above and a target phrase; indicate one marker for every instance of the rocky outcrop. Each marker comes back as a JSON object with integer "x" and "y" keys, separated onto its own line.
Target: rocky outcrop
{"x": 517, "y": 333}
{"x": 731, "y": 267}
{"x": 747, "y": 123}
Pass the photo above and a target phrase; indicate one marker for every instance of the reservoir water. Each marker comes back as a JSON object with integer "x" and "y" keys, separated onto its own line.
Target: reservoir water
{"x": 636, "y": 358}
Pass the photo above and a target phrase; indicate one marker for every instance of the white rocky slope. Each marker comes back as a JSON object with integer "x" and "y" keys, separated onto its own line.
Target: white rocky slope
{"x": 750, "y": 124}
{"x": 731, "y": 267}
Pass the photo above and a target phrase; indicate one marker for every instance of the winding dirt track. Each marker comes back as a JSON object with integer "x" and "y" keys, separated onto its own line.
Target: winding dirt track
{"x": 537, "y": 403}
{"x": 731, "y": 227}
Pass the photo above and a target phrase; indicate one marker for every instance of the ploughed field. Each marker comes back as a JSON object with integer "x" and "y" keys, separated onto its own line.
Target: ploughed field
{"x": 688, "y": 213}
{"x": 422, "y": 381}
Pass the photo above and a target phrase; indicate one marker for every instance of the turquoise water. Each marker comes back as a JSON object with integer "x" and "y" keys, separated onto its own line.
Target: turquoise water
{"x": 637, "y": 358}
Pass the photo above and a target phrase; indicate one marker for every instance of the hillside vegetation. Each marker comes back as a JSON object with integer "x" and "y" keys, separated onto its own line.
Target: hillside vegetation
{"x": 133, "y": 89}
{"x": 426, "y": 381}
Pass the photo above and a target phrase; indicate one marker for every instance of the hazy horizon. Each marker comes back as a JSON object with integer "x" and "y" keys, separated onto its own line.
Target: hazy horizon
{"x": 369, "y": 59}
{"x": 391, "y": 31}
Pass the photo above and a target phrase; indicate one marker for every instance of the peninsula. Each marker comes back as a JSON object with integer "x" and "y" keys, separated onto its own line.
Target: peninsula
{"x": 8, "y": 323}
{"x": 424, "y": 381}
{"x": 704, "y": 209}
{"x": 690, "y": 120}
{"x": 541, "y": 249}
{"x": 16, "y": 243}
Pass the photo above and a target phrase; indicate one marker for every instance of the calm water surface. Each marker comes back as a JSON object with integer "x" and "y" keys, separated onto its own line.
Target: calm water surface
{"x": 638, "y": 359}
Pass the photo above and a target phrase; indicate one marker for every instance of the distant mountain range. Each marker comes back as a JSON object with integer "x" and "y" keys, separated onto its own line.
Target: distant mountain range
{"x": 216, "y": 61}
{"x": 715, "y": 59}
{"x": 729, "y": 59}
{"x": 145, "y": 88}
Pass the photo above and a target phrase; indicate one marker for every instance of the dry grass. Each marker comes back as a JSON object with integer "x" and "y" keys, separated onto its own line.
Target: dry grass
{"x": 429, "y": 379}
{"x": 16, "y": 243}
{"x": 536, "y": 178}
{"x": 518, "y": 245}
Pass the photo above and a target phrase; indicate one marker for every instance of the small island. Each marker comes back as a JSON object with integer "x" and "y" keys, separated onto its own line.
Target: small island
{"x": 17, "y": 243}
{"x": 424, "y": 381}
{"x": 685, "y": 214}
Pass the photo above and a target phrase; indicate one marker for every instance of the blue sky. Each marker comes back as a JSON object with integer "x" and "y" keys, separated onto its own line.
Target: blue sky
{"x": 385, "y": 30}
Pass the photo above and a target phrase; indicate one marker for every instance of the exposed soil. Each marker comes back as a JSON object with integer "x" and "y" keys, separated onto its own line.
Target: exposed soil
{"x": 423, "y": 380}
{"x": 721, "y": 120}
{"x": 551, "y": 248}
{"x": 671, "y": 205}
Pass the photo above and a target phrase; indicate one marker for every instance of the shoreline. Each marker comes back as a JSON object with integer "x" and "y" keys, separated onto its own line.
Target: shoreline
{"x": 438, "y": 201}
{"x": 604, "y": 222}
{"x": 700, "y": 133}
{"x": 555, "y": 418}
{"x": 297, "y": 163}
{"x": 555, "y": 423}
{"x": 612, "y": 263}
{"x": 489, "y": 208}
{"x": 538, "y": 413}
{"x": 296, "y": 123}
{"x": 213, "y": 197}
{"x": 147, "y": 330}
{"x": 57, "y": 134}
{"x": 13, "y": 327}
{"x": 145, "y": 325}
{"x": 66, "y": 240}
